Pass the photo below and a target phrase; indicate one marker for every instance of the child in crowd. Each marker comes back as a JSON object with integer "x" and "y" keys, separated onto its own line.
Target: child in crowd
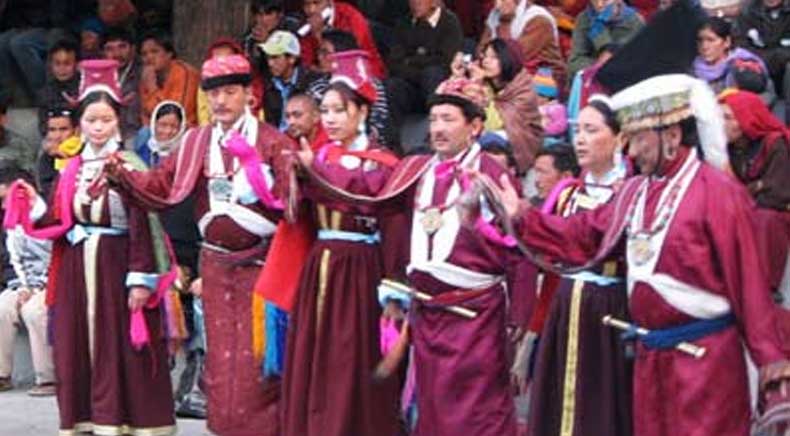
{"x": 554, "y": 117}
{"x": 63, "y": 79}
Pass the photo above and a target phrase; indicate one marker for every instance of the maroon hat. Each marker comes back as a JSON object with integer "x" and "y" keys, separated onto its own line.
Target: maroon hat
{"x": 352, "y": 67}
{"x": 99, "y": 75}
{"x": 225, "y": 70}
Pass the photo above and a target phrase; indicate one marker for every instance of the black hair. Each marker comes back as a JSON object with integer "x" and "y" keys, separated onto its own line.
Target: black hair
{"x": 11, "y": 171}
{"x": 340, "y": 40}
{"x": 266, "y": 6}
{"x": 469, "y": 109}
{"x": 163, "y": 39}
{"x": 95, "y": 97}
{"x": 609, "y": 116}
{"x": 721, "y": 27}
{"x": 60, "y": 111}
{"x": 347, "y": 94}
{"x": 564, "y": 158}
{"x": 118, "y": 34}
{"x": 689, "y": 134}
{"x": 168, "y": 109}
{"x": 304, "y": 96}
{"x": 64, "y": 44}
{"x": 510, "y": 67}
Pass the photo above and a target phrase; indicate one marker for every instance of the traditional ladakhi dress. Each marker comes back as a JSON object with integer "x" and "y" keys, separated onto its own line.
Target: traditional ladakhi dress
{"x": 236, "y": 228}
{"x": 690, "y": 252}
{"x": 333, "y": 340}
{"x": 461, "y": 364}
{"x": 462, "y": 371}
{"x": 104, "y": 385}
{"x": 582, "y": 378}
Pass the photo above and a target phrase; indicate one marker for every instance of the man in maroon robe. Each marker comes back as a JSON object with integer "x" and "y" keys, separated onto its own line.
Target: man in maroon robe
{"x": 237, "y": 213}
{"x": 694, "y": 274}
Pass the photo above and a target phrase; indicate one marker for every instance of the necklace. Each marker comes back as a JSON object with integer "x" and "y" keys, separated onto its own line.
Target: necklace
{"x": 432, "y": 215}
{"x": 640, "y": 238}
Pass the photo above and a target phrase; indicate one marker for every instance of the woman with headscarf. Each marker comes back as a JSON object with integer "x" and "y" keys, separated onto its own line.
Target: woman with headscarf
{"x": 723, "y": 65}
{"x": 759, "y": 149}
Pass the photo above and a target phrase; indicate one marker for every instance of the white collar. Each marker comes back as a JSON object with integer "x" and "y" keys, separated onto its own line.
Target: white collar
{"x": 88, "y": 153}
{"x": 433, "y": 19}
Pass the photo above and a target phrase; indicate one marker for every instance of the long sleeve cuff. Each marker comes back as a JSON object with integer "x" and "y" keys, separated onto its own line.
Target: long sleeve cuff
{"x": 387, "y": 294}
{"x": 148, "y": 280}
{"x": 39, "y": 209}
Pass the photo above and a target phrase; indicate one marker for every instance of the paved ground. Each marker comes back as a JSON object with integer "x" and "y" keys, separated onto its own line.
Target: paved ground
{"x": 21, "y": 415}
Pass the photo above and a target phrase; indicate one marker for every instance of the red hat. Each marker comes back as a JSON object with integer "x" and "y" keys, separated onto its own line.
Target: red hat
{"x": 352, "y": 67}
{"x": 226, "y": 70}
{"x": 99, "y": 75}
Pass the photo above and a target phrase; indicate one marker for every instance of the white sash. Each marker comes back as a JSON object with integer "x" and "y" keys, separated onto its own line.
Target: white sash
{"x": 443, "y": 240}
{"x": 691, "y": 300}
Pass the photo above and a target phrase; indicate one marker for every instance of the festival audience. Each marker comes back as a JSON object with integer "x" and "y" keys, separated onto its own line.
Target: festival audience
{"x": 303, "y": 119}
{"x": 61, "y": 125}
{"x": 63, "y": 80}
{"x": 164, "y": 77}
{"x": 119, "y": 45}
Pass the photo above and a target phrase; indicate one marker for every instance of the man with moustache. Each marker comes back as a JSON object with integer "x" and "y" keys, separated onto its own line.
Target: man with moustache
{"x": 694, "y": 279}
{"x": 118, "y": 44}
{"x": 233, "y": 169}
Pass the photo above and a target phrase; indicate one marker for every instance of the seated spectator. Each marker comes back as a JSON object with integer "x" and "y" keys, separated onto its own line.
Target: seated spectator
{"x": 15, "y": 148}
{"x": 166, "y": 78}
{"x": 718, "y": 61}
{"x": 227, "y": 47}
{"x": 324, "y": 14}
{"x": 334, "y": 42}
{"x": 282, "y": 52}
{"x": 553, "y": 115}
{"x": 603, "y": 23}
{"x": 60, "y": 126}
{"x": 424, "y": 47}
{"x": 513, "y": 104}
{"x": 161, "y": 137}
{"x": 763, "y": 27}
{"x": 22, "y": 301}
{"x": 27, "y": 28}
{"x": 497, "y": 147}
{"x": 63, "y": 79}
{"x": 119, "y": 45}
{"x": 304, "y": 121}
{"x": 267, "y": 16}
{"x": 759, "y": 151}
{"x": 535, "y": 30}
{"x": 552, "y": 165}
{"x": 91, "y": 33}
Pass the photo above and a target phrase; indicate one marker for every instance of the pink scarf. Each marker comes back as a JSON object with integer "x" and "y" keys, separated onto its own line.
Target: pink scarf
{"x": 251, "y": 162}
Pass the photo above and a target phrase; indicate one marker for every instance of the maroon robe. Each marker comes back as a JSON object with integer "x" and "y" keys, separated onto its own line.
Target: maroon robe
{"x": 333, "y": 338}
{"x": 582, "y": 377}
{"x": 240, "y": 401}
{"x": 710, "y": 245}
{"x": 104, "y": 385}
{"x": 462, "y": 369}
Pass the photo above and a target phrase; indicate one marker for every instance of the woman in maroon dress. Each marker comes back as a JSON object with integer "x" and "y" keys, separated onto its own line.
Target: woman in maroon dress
{"x": 333, "y": 342}
{"x": 103, "y": 270}
{"x": 582, "y": 377}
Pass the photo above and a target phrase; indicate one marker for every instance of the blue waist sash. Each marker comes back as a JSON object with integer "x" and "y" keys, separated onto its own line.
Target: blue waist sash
{"x": 668, "y": 338}
{"x": 80, "y": 232}
{"x": 340, "y": 235}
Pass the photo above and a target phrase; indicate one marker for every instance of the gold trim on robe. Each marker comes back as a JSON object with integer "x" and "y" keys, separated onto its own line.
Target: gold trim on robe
{"x": 571, "y": 362}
